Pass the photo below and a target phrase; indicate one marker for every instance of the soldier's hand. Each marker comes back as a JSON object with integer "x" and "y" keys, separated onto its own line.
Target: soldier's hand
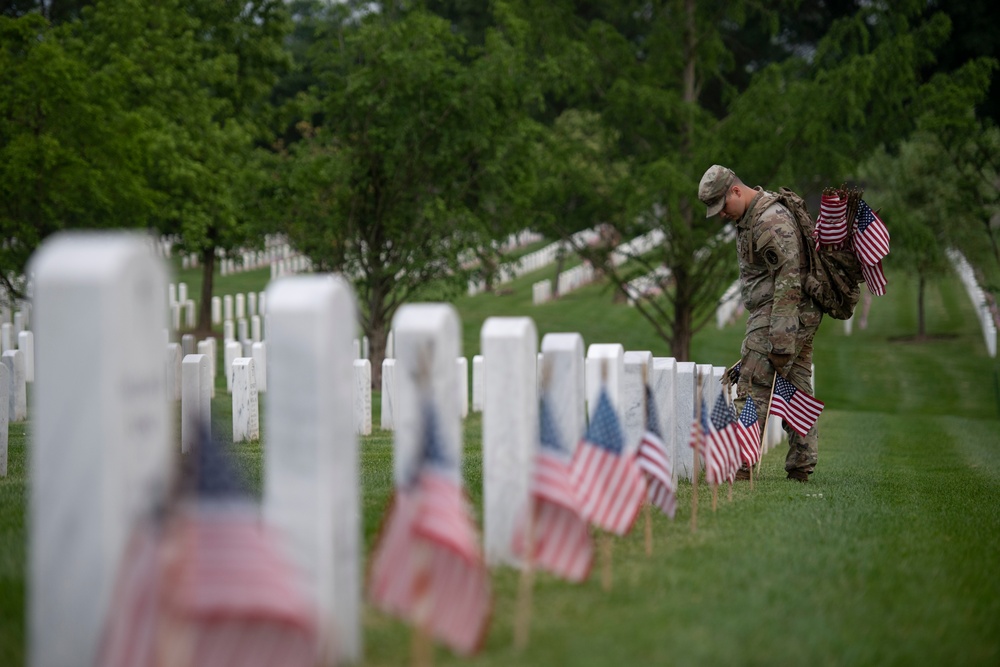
{"x": 779, "y": 360}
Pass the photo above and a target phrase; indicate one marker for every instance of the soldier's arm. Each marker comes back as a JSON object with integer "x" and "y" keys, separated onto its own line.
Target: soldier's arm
{"x": 780, "y": 246}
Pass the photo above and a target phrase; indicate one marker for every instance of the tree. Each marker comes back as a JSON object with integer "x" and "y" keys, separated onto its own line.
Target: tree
{"x": 412, "y": 161}
{"x": 668, "y": 82}
{"x": 69, "y": 153}
{"x": 200, "y": 73}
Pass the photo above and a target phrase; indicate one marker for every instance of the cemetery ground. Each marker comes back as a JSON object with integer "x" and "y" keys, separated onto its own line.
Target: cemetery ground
{"x": 888, "y": 555}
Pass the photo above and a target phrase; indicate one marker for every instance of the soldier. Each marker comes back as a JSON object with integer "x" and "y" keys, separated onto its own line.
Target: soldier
{"x": 782, "y": 318}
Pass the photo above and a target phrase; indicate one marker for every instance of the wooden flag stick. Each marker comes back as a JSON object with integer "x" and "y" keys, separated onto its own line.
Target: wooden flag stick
{"x": 697, "y": 463}
{"x": 751, "y": 476}
{"x": 767, "y": 417}
{"x": 730, "y": 490}
{"x": 715, "y": 496}
{"x": 522, "y": 619}
{"x": 606, "y": 545}
{"x": 645, "y": 421}
{"x": 421, "y": 647}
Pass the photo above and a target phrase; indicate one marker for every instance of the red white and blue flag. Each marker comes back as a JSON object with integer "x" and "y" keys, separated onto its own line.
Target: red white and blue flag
{"x": 799, "y": 410}
{"x": 654, "y": 461}
{"x": 427, "y": 566}
{"x": 748, "y": 433}
{"x": 207, "y": 584}
{"x": 560, "y": 536}
{"x": 607, "y": 480}
{"x": 699, "y": 431}
{"x": 831, "y": 224}
{"x": 721, "y": 443}
{"x": 871, "y": 244}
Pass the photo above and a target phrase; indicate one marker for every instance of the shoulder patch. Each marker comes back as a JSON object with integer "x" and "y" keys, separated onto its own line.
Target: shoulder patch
{"x": 771, "y": 257}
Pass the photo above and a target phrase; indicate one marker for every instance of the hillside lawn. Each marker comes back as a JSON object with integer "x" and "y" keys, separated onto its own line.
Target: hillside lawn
{"x": 888, "y": 556}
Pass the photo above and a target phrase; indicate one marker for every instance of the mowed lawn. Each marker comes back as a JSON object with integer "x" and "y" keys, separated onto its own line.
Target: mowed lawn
{"x": 888, "y": 556}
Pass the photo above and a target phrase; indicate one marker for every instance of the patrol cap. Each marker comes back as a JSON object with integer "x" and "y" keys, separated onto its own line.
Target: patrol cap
{"x": 713, "y": 187}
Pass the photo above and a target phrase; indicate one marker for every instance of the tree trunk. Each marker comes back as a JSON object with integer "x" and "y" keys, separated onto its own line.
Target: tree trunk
{"x": 377, "y": 335}
{"x": 205, "y": 306}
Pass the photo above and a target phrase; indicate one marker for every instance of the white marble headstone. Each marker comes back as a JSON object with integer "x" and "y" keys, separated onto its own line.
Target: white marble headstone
{"x": 26, "y": 343}
{"x": 246, "y": 422}
{"x": 231, "y": 353}
{"x": 684, "y": 399}
{"x": 241, "y": 306}
{"x": 258, "y": 352}
{"x": 510, "y": 429}
{"x": 463, "y": 386}
{"x": 18, "y": 402}
{"x": 427, "y": 335}
{"x": 563, "y": 354}
{"x": 605, "y": 359}
{"x": 4, "y": 420}
{"x": 101, "y": 433}
{"x": 216, "y": 310}
{"x": 227, "y": 307}
{"x": 311, "y": 477}
{"x": 207, "y": 347}
{"x": 363, "y": 396}
{"x": 638, "y": 365}
{"x": 662, "y": 381}
{"x": 173, "y": 371}
{"x": 478, "y": 382}
{"x": 196, "y": 400}
{"x": 388, "y": 394}
{"x": 255, "y": 333}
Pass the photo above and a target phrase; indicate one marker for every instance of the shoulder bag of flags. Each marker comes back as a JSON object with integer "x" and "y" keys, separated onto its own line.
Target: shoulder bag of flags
{"x": 799, "y": 410}
{"x": 843, "y": 216}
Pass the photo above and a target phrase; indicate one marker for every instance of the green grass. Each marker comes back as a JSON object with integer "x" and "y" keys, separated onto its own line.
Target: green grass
{"x": 887, "y": 557}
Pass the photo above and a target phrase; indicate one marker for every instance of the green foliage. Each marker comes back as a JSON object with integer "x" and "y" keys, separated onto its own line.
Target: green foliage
{"x": 68, "y": 155}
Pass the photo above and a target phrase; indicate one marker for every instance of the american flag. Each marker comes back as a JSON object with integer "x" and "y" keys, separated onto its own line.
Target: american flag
{"x": 748, "y": 432}
{"x": 699, "y": 431}
{"x": 560, "y": 535}
{"x": 831, "y": 225}
{"x": 799, "y": 410}
{"x": 734, "y": 373}
{"x": 720, "y": 443}
{"x": 427, "y": 567}
{"x": 871, "y": 240}
{"x": 874, "y": 278}
{"x": 607, "y": 480}
{"x": 653, "y": 460}
{"x": 208, "y": 584}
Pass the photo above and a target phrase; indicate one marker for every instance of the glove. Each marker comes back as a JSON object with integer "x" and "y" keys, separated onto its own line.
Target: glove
{"x": 779, "y": 361}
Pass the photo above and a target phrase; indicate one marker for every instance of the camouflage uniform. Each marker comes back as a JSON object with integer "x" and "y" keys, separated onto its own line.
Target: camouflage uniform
{"x": 782, "y": 318}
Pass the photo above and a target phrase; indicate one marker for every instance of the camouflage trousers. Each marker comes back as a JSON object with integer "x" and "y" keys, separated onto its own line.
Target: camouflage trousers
{"x": 756, "y": 378}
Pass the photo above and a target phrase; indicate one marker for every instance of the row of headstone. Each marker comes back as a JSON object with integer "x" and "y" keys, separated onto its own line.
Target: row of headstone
{"x": 987, "y": 321}
{"x": 239, "y": 306}
{"x": 100, "y": 317}
{"x": 649, "y": 285}
{"x": 534, "y": 261}
{"x": 730, "y": 306}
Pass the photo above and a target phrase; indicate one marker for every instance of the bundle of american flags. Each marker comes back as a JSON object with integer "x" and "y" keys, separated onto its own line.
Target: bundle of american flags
{"x": 427, "y": 566}
{"x": 845, "y": 215}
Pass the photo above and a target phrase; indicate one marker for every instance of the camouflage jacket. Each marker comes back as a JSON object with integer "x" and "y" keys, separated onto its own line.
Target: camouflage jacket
{"x": 772, "y": 262}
